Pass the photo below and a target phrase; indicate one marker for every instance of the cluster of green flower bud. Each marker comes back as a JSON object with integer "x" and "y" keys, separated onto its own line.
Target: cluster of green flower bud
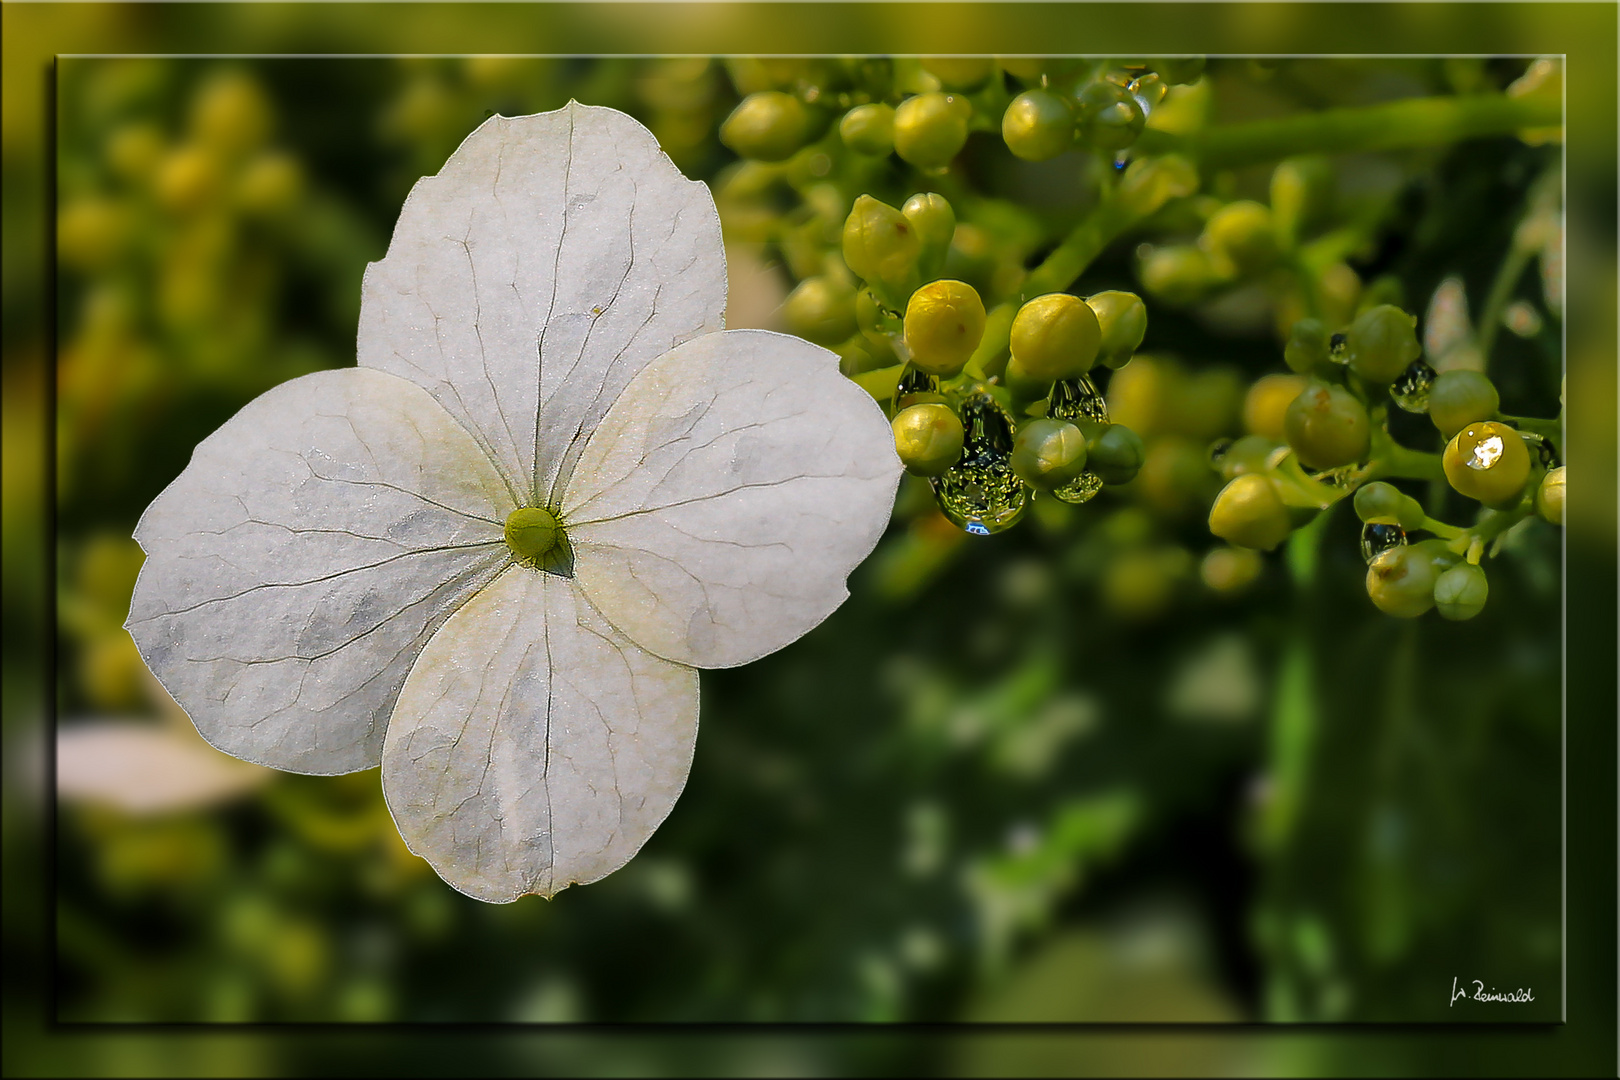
{"x": 1322, "y": 433}
{"x": 989, "y": 442}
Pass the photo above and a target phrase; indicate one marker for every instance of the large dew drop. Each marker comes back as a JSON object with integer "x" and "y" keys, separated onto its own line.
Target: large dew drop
{"x": 980, "y": 493}
{"x": 1077, "y": 401}
{"x": 1379, "y": 538}
{"x": 1411, "y": 390}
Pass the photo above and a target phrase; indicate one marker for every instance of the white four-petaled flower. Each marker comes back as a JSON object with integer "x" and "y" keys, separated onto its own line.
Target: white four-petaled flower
{"x": 329, "y": 584}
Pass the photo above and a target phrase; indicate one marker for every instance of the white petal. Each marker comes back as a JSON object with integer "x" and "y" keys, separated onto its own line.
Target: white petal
{"x": 727, "y": 495}
{"x": 297, "y": 566}
{"x": 533, "y": 746}
{"x": 549, "y": 260}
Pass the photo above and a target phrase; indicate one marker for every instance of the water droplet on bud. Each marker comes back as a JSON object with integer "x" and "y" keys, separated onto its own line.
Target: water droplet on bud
{"x": 1377, "y": 539}
{"x": 1337, "y": 350}
{"x": 1217, "y": 452}
{"x": 1411, "y": 390}
{"x": 980, "y": 493}
{"x": 1077, "y": 401}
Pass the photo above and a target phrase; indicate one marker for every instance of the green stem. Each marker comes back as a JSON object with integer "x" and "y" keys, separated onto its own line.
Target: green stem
{"x": 1507, "y": 276}
{"x": 1398, "y": 125}
{"x": 1550, "y": 430}
{"x": 1143, "y": 191}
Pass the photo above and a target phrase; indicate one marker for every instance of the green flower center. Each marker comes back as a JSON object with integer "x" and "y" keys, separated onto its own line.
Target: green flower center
{"x": 533, "y": 533}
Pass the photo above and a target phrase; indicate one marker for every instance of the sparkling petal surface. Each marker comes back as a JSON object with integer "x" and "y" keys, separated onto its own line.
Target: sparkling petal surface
{"x": 724, "y": 499}
{"x": 300, "y": 562}
{"x": 550, "y": 260}
{"x": 533, "y": 746}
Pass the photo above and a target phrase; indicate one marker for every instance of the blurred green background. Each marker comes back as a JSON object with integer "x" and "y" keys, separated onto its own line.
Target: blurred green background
{"x": 1067, "y": 774}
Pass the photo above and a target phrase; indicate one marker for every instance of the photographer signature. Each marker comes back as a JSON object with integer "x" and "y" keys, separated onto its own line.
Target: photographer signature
{"x": 1493, "y": 994}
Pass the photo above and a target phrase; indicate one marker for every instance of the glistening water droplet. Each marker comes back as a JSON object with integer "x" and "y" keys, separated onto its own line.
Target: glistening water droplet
{"x": 1077, "y": 401}
{"x": 915, "y": 387}
{"x": 1411, "y": 390}
{"x": 1337, "y": 351}
{"x": 1217, "y": 452}
{"x": 980, "y": 493}
{"x": 1377, "y": 539}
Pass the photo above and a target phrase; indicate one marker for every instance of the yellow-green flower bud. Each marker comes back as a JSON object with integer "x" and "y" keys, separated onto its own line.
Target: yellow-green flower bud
{"x": 1109, "y": 118}
{"x": 1459, "y": 397}
{"x": 1178, "y": 273}
{"x": 1055, "y": 336}
{"x": 1048, "y": 453}
{"x": 1550, "y": 496}
{"x": 1327, "y": 427}
{"x": 1401, "y": 581}
{"x": 1461, "y": 592}
{"x": 931, "y": 129}
{"x": 944, "y": 324}
{"x": 1021, "y": 384}
{"x": 1307, "y": 347}
{"x": 1380, "y": 503}
{"x": 1038, "y": 125}
{"x": 1241, "y": 233}
{"x": 1265, "y": 405}
{"x": 1381, "y": 342}
{"x": 931, "y": 215}
{"x": 1488, "y": 461}
{"x": 1230, "y": 570}
{"x": 1122, "y": 319}
{"x": 881, "y": 246}
{"x": 532, "y": 533}
{"x": 821, "y": 310}
{"x": 868, "y": 129}
{"x": 1029, "y": 69}
{"x": 928, "y": 438}
{"x": 1250, "y": 513}
{"x": 767, "y": 126}
{"x": 1115, "y": 453}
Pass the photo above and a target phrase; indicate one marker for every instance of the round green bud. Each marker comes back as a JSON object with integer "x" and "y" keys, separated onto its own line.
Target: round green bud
{"x": 931, "y": 215}
{"x": 944, "y": 324}
{"x": 1550, "y": 496}
{"x": 1241, "y": 233}
{"x": 1023, "y": 385}
{"x": 1385, "y": 504}
{"x": 1265, "y": 404}
{"x": 1029, "y": 69}
{"x": 1230, "y": 570}
{"x": 1249, "y": 513}
{"x": 1048, "y": 453}
{"x": 931, "y": 129}
{"x": 1055, "y": 336}
{"x": 1178, "y": 70}
{"x": 1459, "y": 397}
{"x": 1109, "y": 118}
{"x": 960, "y": 72}
{"x": 881, "y": 246}
{"x": 767, "y": 126}
{"x": 1460, "y": 592}
{"x": 532, "y": 532}
{"x": 1122, "y": 319}
{"x": 821, "y": 310}
{"x": 1488, "y": 461}
{"x": 1327, "y": 427}
{"x": 1401, "y": 581}
{"x": 868, "y": 129}
{"x": 1247, "y": 455}
{"x": 1038, "y": 125}
{"x": 1178, "y": 273}
{"x": 1377, "y": 502}
{"x": 1307, "y": 347}
{"x": 1115, "y": 453}
{"x": 1381, "y": 342}
{"x": 928, "y": 438}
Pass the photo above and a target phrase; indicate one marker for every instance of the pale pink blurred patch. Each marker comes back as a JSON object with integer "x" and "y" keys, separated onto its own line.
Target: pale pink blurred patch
{"x": 141, "y": 767}
{"x": 757, "y": 288}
